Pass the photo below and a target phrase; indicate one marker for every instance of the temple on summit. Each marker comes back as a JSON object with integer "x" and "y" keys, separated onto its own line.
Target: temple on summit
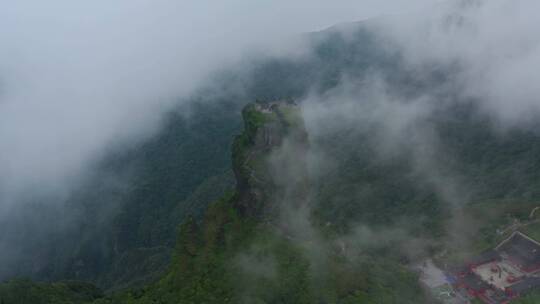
{"x": 506, "y": 272}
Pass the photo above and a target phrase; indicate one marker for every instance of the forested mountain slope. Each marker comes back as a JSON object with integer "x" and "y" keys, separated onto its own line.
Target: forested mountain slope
{"x": 125, "y": 212}
{"x": 374, "y": 192}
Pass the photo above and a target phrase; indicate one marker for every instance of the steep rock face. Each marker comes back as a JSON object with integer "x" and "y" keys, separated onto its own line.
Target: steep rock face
{"x": 269, "y": 159}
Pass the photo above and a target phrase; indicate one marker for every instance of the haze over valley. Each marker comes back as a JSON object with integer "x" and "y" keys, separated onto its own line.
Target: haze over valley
{"x": 269, "y": 152}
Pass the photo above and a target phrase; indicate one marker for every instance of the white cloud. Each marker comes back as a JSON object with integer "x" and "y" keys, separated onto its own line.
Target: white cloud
{"x": 494, "y": 45}
{"x": 77, "y": 77}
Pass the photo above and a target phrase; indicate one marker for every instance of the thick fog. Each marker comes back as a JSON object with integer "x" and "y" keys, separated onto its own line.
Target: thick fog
{"x": 80, "y": 78}
{"x": 493, "y": 46}
{"x": 488, "y": 53}
{"x": 480, "y": 53}
{"x": 481, "y": 56}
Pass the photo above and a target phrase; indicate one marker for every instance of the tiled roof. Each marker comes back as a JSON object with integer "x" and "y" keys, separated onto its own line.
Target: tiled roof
{"x": 525, "y": 285}
{"x": 521, "y": 250}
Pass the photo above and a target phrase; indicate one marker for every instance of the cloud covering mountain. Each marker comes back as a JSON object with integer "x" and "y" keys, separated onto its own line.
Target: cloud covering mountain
{"x": 80, "y": 78}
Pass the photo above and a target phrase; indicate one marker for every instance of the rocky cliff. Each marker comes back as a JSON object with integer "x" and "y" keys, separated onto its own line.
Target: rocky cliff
{"x": 269, "y": 159}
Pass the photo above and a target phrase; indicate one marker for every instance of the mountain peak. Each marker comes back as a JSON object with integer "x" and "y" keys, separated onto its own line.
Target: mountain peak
{"x": 260, "y": 167}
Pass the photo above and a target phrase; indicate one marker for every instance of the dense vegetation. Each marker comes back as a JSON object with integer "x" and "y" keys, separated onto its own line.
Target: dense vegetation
{"x": 119, "y": 228}
{"x": 233, "y": 258}
{"x": 126, "y": 211}
{"x": 25, "y": 291}
{"x": 233, "y": 261}
{"x": 128, "y": 235}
